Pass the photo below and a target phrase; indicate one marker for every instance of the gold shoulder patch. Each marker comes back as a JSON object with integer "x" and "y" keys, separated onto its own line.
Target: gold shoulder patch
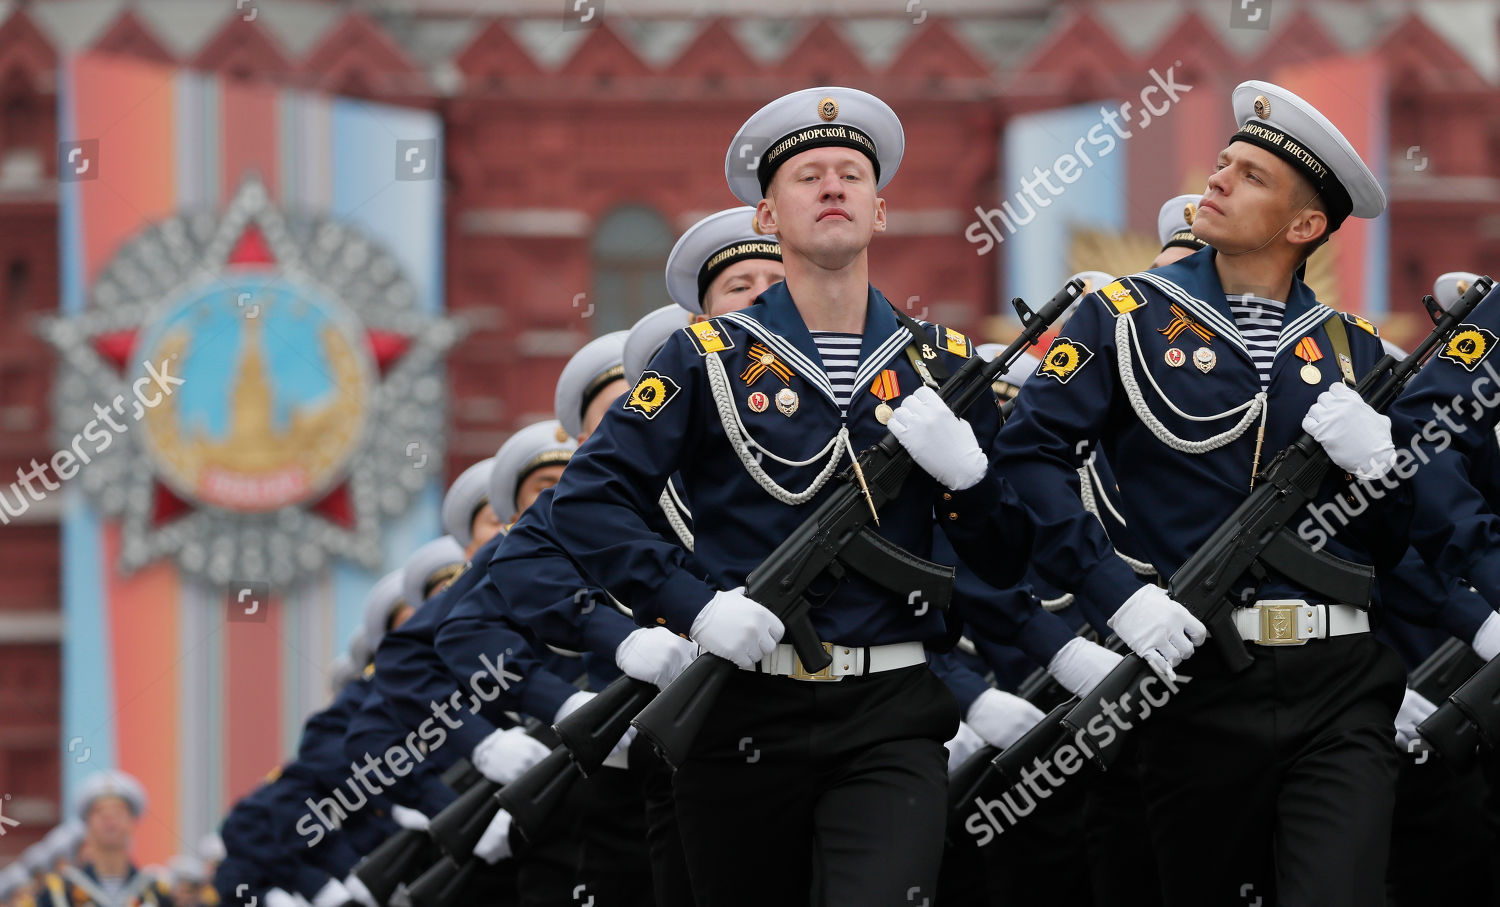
{"x": 1469, "y": 346}
{"x": 709, "y": 337}
{"x": 956, "y": 343}
{"x": 651, "y": 393}
{"x": 1360, "y": 323}
{"x": 1119, "y": 298}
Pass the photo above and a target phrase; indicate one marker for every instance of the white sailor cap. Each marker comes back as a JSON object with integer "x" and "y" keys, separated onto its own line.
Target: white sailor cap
{"x": 12, "y": 878}
{"x": 1292, "y": 129}
{"x": 380, "y": 602}
{"x": 359, "y": 652}
{"x": 341, "y": 671}
{"x": 526, "y": 451}
{"x": 35, "y": 859}
{"x": 109, "y": 783}
{"x": 186, "y": 868}
{"x": 1093, "y": 282}
{"x": 807, "y": 119}
{"x": 211, "y": 847}
{"x": 647, "y": 337}
{"x": 465, "y": 496}
{"x": 1174, "y": 222}
{"x": 438, "y": 560}
{"x": 590, "y": 369}
{"x": 63, "y": 840}
{"x": 1451, "y": 287}
{"x": 708, "y": 247}
{"x": 1019, "y": 370}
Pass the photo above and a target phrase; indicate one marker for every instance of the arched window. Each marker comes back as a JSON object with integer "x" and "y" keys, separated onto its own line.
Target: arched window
{"x": 630, "y": 254}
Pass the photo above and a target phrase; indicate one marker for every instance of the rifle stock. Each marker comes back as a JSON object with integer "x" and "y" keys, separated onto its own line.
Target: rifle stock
{"x": 537, "y": 796}
{"x": 593, "y": 729}
{"x": 673, "y": 719}
{"x": 443, "y": 884}
{"x": 396, "y": 858}
{"x": 1468, "y": 718}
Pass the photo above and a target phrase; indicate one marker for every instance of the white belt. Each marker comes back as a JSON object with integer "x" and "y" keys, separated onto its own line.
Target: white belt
{"x": 848, "y": 661}
{"x": 1292, "y": 621}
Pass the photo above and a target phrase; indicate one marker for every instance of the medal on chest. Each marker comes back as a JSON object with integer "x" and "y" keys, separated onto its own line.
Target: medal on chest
{"x": 887, "y": 388}
{"x": 1307, "y": 350}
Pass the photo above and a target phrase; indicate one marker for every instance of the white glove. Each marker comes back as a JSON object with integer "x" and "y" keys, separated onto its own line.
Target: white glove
{"x": 735, "y": 627}
{"x": 408, "y": 818}
{"x": 655, "y": 655}
{"x": 963, "y": 745}
{"x": 1357, "y": 438}
{"x": 494, "y": 844}
{"x": 619, "y": 756}
{"x": 616, "y": 757}
{"x": 1080, "y": 665}
{"x": 333, "y": 894}
{"x": 358, "y": 892}
{"x": 1001, "y": 718}
{"x": 1486, "y": 642}
{"x": 505, "y": 755}
{"x": 1414, "y": 710}
{"x": 940, "y": 442}
{"x": 572, "y": 704}
{"x": 278, "y": 898}
{"x": 1158, "y": 629}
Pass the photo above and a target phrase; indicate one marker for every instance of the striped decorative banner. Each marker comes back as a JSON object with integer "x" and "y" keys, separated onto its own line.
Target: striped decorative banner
{"x": 160, "y": 678}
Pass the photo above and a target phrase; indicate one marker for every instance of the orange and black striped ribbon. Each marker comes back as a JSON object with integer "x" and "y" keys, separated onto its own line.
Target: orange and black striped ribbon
{"x": 757, "y": 367}
{"x": 1181, "y": 321}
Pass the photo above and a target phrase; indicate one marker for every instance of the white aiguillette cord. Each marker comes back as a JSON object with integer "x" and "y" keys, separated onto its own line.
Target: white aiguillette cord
{"x": 1126, "y": 340}
{"x": 739, "y": 439}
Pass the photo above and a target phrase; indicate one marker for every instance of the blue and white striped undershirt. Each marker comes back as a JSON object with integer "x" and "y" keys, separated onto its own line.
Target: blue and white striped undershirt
{"x": 1259, "y": 322}
{"x": 840, "y": 355}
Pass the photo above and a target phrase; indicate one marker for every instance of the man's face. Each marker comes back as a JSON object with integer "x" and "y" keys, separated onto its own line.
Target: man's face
{"x": 740, "y": 284}
{"x": 1253, "y": 199}
{"x": 539, "y": 481}
{"x": 110, "y": 824}
{"x": 822, "y": 205}
{"x": 185, "y": 894}
{"x": 593, "y": 414}
{"x": 484, "y": 526}
{"x": 402, "y": 613}
{"x": 1169, "y": 255}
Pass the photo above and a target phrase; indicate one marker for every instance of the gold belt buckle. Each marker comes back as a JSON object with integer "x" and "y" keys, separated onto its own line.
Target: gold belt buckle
{"x": 801, "y": 673}
{"x": 1278, "y": 624}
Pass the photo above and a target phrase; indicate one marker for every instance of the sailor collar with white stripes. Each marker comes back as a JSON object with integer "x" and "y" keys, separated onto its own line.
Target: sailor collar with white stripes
{"x": 774, "y": 321}
{"x": 1193, "y": 283}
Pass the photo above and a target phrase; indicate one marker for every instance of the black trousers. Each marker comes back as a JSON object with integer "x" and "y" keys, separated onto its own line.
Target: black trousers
{"x": 669, "y": 871}
{"x": 1041, "y": 861}
{"x": 1442, "y": 849}
{"x": 1121, "y": 863}
{"x": 803, "y": 792}
{"x": 1276, "y": 783}
{"x": 614, "y": 869}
